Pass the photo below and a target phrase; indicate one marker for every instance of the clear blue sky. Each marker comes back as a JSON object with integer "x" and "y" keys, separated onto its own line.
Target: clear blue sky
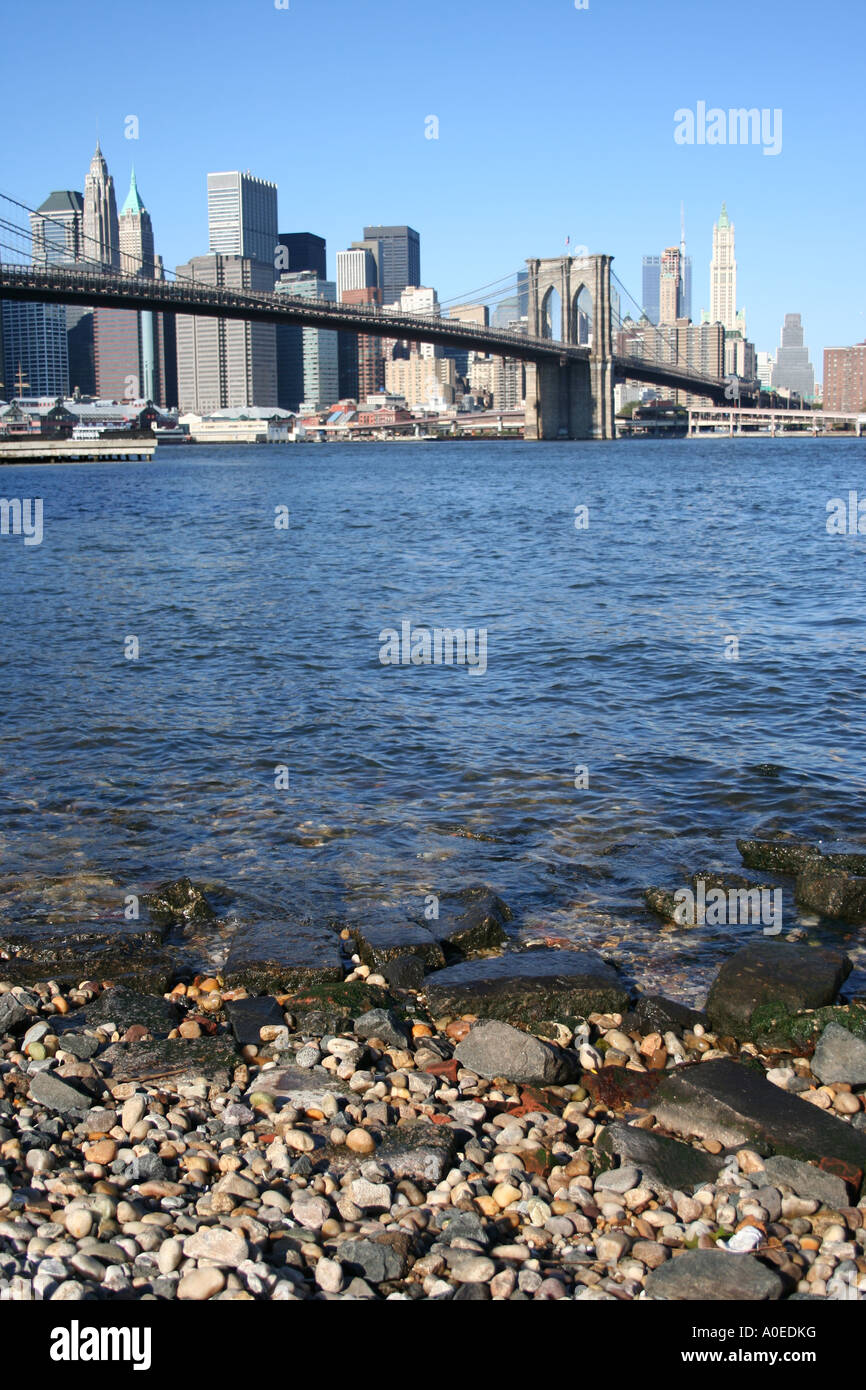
{"x": 553, "y": 121}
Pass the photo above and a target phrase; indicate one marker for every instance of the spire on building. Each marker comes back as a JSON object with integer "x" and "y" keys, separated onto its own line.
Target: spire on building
{"x": 133, "y": 198}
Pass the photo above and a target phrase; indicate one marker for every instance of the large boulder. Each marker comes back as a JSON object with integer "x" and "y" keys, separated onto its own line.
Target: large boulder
{"x": 773, "y": 973}
{"x": 117, "y": 950}
{"x": 840, "y": 1056}
{"x": 777, "y": 856}
{"x": 523, "y": 987}
{"x": 670, "y": 1166}
{"x": 470, "y": 920}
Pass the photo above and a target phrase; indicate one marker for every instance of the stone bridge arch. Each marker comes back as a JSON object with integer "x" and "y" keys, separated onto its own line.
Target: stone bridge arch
{"x": 571, "y": 400}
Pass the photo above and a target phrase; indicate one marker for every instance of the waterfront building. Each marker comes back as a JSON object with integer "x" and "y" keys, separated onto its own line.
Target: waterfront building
{"x": 792, "y": 370}
{"x": 399, "y": 261}
{"x": 844, "y": 378}
{"x": 35, "y": 349}
{"x": 226, "y": 363}
{"x": 425, "y": 382}
{"x": 242, "y": 217}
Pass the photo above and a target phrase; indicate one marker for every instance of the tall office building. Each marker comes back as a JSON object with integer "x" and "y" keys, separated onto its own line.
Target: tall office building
{"x": 101, "y": 232}
{"x": 226, "y": 363}
{"x": 723, "y": 275}
{"x": 242, "y": 216}
{"x": 356, "y": 270}
{"x": 370, "y": 356}
{"x": 651, "y": 270}
{"x": 35, "y": 350}
{"x": 844, "y": 378}
{"x": 400, "y": 259}
{"x": 136, "y": 235}
{"x": 57, "y": 228}
{"x": 302, "y": 251}
{"x": 670, "y": 290}
{"x": 793, "y": 371}
{"x": 309, "y": 368}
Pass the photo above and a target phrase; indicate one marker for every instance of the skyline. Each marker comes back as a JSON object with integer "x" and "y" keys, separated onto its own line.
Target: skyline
{"x": 364, "y": 156}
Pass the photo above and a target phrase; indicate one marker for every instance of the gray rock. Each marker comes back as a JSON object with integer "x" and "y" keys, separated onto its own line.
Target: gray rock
{"x": 267, "y": 957}
{"x": 419, "y": 1151}
{"x": 301, "y": 1087}
{"x": 146, "y": 1168}
{"x": 406, "y": 972}
{"x": 214, "y": 1058}
{"x": 735, "y": 1104}
{"x": 524, "y": 986}
{"x": 669, "y": 1165}
{"x": 376, "y": 1260}
{"x": 470, "y": 920}
{"x": 773, "y": 973}
{"x": 57, "y": 1094}
{"x": 655, "y": 1014}
{"x": 777, "y": 856}
{"x": 220, "y": 1244}
{"x": 389, "y": 935}
{"x": 248, "y": 1016}
{"x": 617, "y": 1180}
{"x": 715, "y": 1276}
{"x": 123, "y": 1007}
{"x": 832, "y": 892}
{"x": 496, "y": 1049}
{"x": 81, "y": 1045}
{"x": 13, "y": 1016}
{"x": 840, "y": 1056}
{"x": 381, "y": 1023}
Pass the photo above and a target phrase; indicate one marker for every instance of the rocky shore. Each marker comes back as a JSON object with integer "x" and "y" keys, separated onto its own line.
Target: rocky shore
{"x": 411, "y": 1110}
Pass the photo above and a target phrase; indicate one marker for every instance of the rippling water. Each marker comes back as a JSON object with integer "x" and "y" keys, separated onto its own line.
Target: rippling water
{"x": 606, "y": 648}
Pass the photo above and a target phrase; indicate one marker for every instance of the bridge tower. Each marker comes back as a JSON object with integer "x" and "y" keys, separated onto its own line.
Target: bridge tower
{"x": 569, "y": 300}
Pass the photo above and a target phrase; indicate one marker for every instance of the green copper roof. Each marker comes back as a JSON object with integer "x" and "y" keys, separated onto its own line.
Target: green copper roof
{"x": 723, "y": 220}
{"x": 133, "y": 198}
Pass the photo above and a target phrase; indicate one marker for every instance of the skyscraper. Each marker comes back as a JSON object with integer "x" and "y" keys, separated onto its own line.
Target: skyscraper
{"x": 35, "y": 350}
{"x": 303, "y": 251}
{"x": 670, "y": 289}
{"x": 723, "y": 275}
{"x": 136, "y": 235}
{"x": 310, "y": 369}
{"x": 226, "y": 363}
{"x": 57, "y": 229}
{"x": 792, "y": 370}
{"x": 844, "y": 378}
{"x": 356, "y": 270}
{"x": 242, "y": 216}
{"x": 400, "y": 259}
{"x": 101, "y": 233}
{"x": 651, "y": 287}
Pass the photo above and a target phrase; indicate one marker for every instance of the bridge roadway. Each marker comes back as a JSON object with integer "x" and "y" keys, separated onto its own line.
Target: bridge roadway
{"x": 55, "y": 284}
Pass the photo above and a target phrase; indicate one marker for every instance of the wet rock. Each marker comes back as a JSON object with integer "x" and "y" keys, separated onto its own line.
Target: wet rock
{"x": 130, "y": 952}
{"x": 389, "y": 936}
{"x": 384, "y": 1024}
{"x": 655, "y": 1014}
{"x": 774, "y": 1026}
{"x": 773, "y": 973}
{"x": 832, "y": 892}
{"x": 806, "y": 1180}
{"x": 248, "y": 1016}
{"x": 840, "y": 1056}
{"x": 469, "y": 921}
{"x": 496, "y": 1049}
{"x": 213, "y": 1058}
{"x": 179, "y": 901}
{"x": 735, "y": 1105}
{"x": 524, "y": 986}
{"x": 124, "y": 1007}
{"x": 406, "y": 972}
{"x": 668, "y": 1164}
{"x": 777, "y": 856}
{"x": 48, "y": 1089}
{"x": 269, "y": 957}
{"x": 663, "y": 903}
{"x": 714, "y": 1275}
{"x": 330, "y": 1007}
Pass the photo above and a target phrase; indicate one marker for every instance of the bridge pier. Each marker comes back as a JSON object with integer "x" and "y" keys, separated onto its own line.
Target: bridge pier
{"x": 571, "y": 399}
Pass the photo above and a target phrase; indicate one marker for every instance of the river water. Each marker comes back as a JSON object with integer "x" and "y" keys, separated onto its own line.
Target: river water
{"x": 607, "y": 648}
